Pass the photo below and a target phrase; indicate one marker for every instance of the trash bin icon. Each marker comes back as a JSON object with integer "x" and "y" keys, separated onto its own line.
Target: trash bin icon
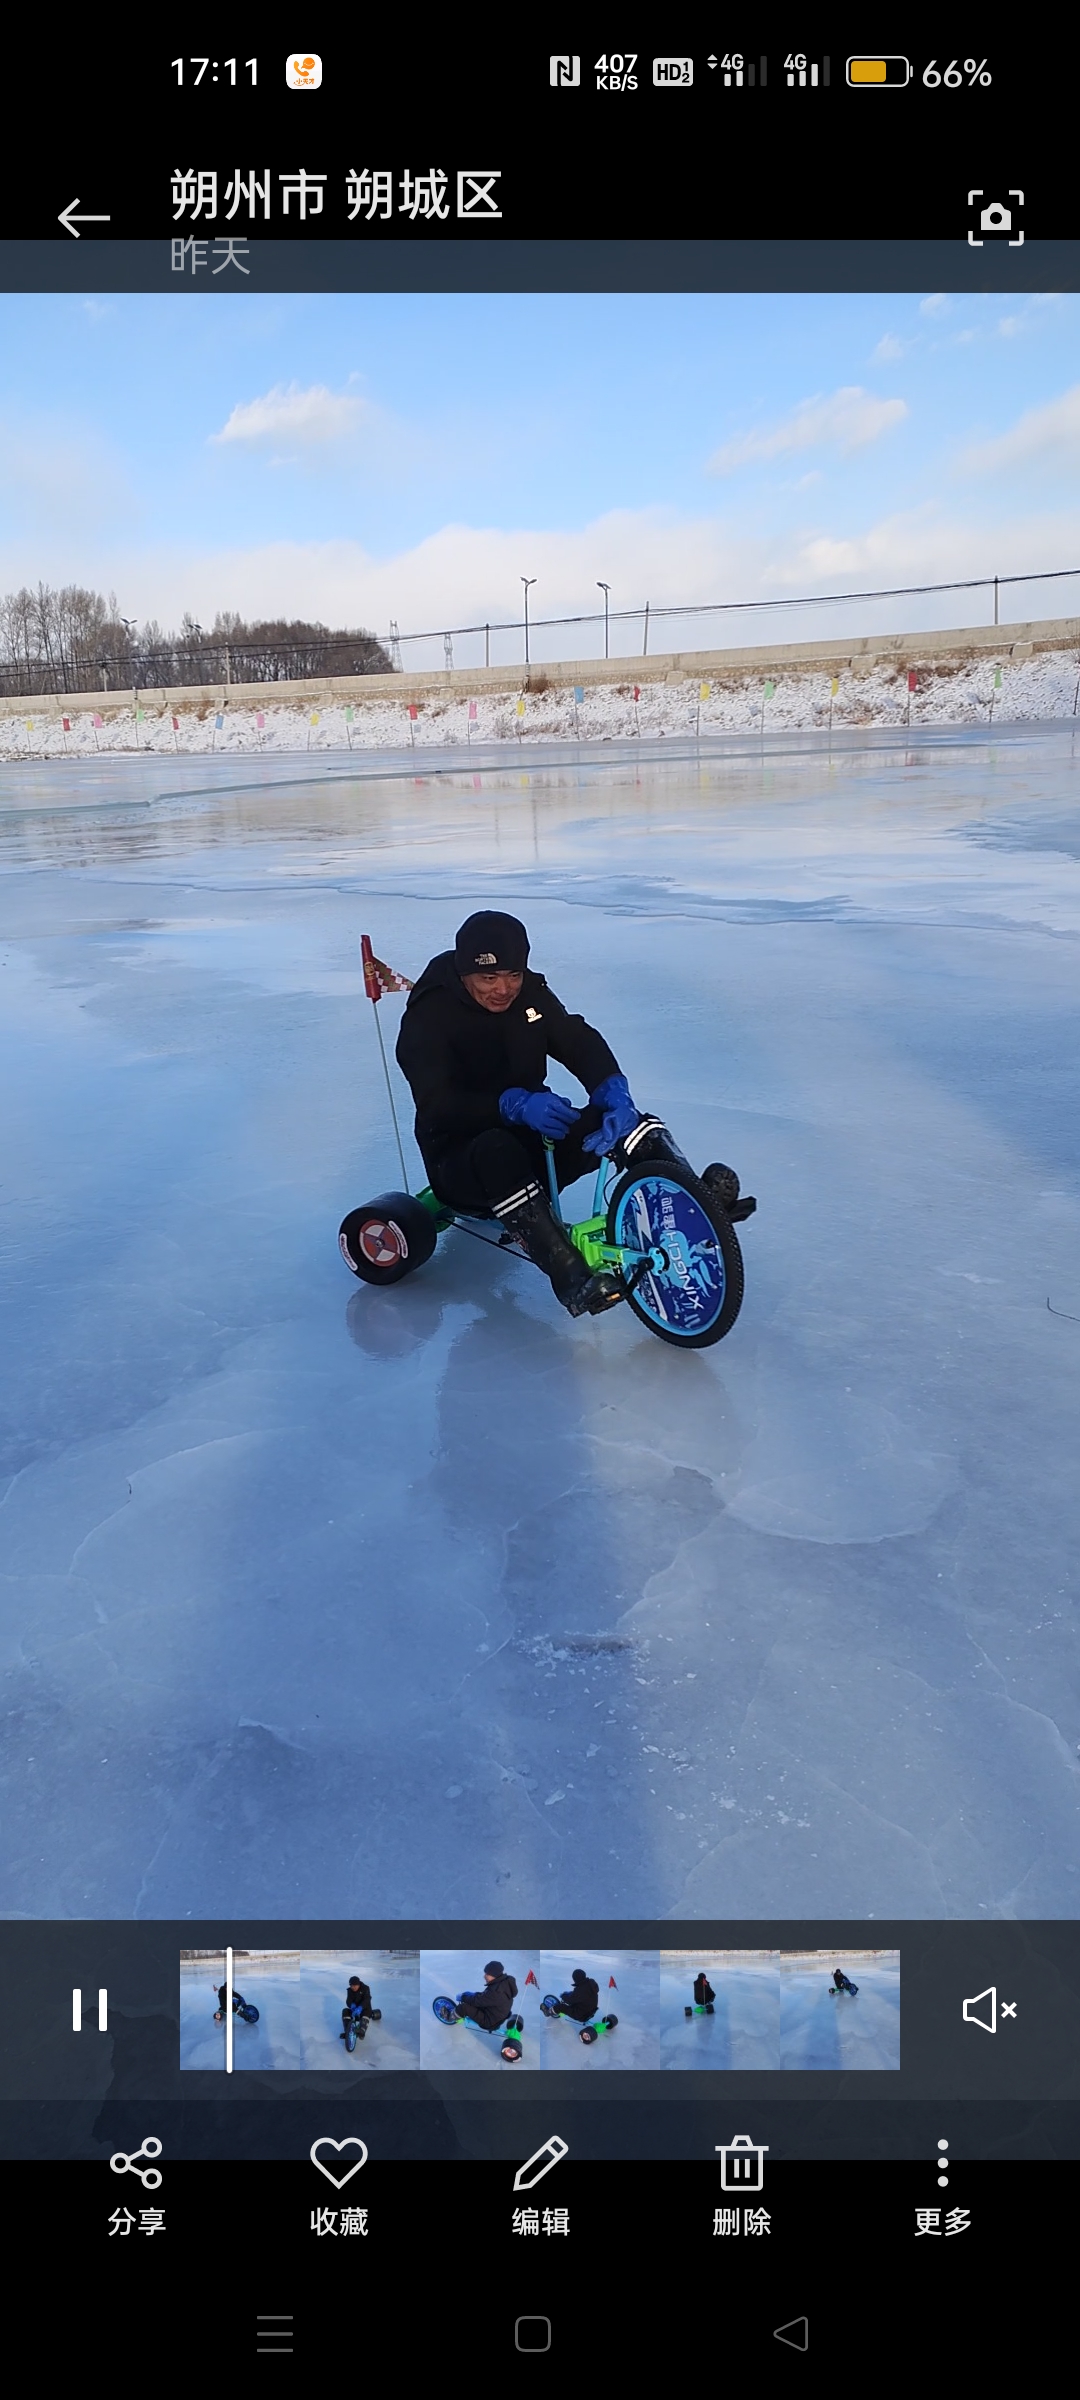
{"x": 742, "y": 2164}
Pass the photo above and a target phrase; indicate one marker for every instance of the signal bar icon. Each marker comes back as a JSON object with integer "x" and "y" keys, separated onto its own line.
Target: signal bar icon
{"x": 806, "y": 72}
{"x": 739, "y": 72}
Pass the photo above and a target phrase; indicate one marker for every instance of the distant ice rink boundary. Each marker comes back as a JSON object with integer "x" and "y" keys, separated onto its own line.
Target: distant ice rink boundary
{"x": 979, "y": 675}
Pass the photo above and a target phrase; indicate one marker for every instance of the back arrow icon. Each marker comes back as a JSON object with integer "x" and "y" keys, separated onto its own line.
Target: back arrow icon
{"x": 67, "y": 219}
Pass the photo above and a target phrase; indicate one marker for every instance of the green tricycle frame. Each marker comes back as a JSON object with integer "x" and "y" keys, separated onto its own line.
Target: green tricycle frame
{"x": 661, "y": 1230}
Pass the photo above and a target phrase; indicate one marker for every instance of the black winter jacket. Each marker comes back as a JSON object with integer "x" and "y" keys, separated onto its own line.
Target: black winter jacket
{"x": 582, "y": 2000}
{"x": 491, "y": 2007}
{"x": 458, "y": 1057}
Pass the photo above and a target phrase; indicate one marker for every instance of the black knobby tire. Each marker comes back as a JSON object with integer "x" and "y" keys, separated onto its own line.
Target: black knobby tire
{"x": 724, "y": 1237}
{"x": 387, "y": 1238}
{"x": 350, "y": 2037}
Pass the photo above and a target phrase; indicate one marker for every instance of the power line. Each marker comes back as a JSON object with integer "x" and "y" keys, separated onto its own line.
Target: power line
{"x": 204, "y": 654}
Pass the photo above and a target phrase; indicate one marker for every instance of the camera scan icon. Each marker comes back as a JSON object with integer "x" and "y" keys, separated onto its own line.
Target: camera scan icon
{"x": 995, "y": 219}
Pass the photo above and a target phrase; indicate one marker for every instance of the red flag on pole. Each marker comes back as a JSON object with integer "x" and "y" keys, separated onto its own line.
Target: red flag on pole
{"x": 611, "y": 1984}
{"x": 530, "y": 1978}
{"x": 912, "y": 680}
{"x": 377, "y": 977}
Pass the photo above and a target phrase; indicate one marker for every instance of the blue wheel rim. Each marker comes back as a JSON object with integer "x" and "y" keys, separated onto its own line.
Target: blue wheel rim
{"x": 658, "y": 1213}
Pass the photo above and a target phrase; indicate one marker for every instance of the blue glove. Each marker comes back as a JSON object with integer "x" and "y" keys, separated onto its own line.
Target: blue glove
{"x": 620, "y": 1115}
{"x": 543, "y": 1112}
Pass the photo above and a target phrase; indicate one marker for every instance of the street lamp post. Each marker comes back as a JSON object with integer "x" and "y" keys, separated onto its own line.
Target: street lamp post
{"x": 130, "y": 625}
{"x": 605, "y": 589}
{"x": 528, "y": 581}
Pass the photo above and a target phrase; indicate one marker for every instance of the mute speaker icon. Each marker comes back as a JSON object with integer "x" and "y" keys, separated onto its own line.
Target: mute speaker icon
{"x": 982, "y": 2009}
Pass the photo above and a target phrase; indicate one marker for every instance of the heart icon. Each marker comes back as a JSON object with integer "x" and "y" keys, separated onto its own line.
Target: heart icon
{"x": 325, "y": 2142}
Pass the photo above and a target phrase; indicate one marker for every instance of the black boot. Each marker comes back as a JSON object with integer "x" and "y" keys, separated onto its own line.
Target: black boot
{"x": 650, "y": 1144}
{"x": 527, "y": 1217}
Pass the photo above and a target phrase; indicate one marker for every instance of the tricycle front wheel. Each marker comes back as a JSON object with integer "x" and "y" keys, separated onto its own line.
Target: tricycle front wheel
{"x": 694, "y": 1299}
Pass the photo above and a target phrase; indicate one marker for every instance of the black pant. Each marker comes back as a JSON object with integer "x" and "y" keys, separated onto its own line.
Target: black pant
{"x": 474, "y": 1175}
{"x": 471, "y": 2004}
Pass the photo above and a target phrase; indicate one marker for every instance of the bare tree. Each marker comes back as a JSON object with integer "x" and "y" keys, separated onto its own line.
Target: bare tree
{"x": 75, "y": 640}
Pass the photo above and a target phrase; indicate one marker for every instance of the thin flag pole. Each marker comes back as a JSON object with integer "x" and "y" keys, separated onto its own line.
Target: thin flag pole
{"x": 373, "y": 989}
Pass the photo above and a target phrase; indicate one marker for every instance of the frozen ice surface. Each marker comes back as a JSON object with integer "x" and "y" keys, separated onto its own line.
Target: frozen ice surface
{"x": 323, "y": 1602}
{"x": 816, "y": 2031}
{"x": 634, "y": 2000}
{"x": 744, "y": 2029}
{"x": 300, "y": 2003}
{"x": 446, "y": 2049}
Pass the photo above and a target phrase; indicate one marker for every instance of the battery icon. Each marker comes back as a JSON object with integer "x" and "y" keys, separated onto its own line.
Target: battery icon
{"x": 878, "y": 73}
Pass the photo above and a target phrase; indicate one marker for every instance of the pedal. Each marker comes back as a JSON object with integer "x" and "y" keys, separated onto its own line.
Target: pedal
{"x": 742, "y": 1208}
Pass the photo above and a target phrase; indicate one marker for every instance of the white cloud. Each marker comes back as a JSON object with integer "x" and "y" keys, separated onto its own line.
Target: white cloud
{"x": 291, "y": 414}
{"x": 936, "y": 304}
{"x": 890, "y": 346}
{"x": 850, "y": 417}
{"x": 467, "y": 575}
{"x": 1047, "y": 436}
{"x": 928, "y": 545}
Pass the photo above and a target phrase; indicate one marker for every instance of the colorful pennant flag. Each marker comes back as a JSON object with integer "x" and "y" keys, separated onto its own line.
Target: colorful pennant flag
{"x": 377, "y": 977}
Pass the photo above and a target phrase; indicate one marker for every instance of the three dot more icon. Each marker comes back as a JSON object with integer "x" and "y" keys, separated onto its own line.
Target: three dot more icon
{"x": 943, "y": 2165}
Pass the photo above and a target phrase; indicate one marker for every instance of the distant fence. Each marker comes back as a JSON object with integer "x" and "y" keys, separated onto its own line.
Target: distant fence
{"x": 648, "y": 617}
{"x": 211, "y": 662}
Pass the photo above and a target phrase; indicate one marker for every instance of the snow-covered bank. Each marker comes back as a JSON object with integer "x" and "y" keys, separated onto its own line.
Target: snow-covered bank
{"x": 985, "y": 683}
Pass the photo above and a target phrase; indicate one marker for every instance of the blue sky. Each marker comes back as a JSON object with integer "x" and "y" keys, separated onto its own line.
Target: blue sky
{"x": 358, "y": 458}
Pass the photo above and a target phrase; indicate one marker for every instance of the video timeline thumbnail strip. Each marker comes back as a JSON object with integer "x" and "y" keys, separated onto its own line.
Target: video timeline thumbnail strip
{"x": 453, "y": 2009}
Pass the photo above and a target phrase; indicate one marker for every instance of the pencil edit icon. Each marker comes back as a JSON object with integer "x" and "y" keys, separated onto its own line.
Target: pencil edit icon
{"x": 540, "y": 2163}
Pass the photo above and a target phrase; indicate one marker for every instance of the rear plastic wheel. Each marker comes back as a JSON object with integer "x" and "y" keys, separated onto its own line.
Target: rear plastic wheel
{"x": 387, "y": 1238}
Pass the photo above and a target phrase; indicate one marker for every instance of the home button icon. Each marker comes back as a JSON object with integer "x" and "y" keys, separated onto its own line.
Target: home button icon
{"x": 532, "y": 2333}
